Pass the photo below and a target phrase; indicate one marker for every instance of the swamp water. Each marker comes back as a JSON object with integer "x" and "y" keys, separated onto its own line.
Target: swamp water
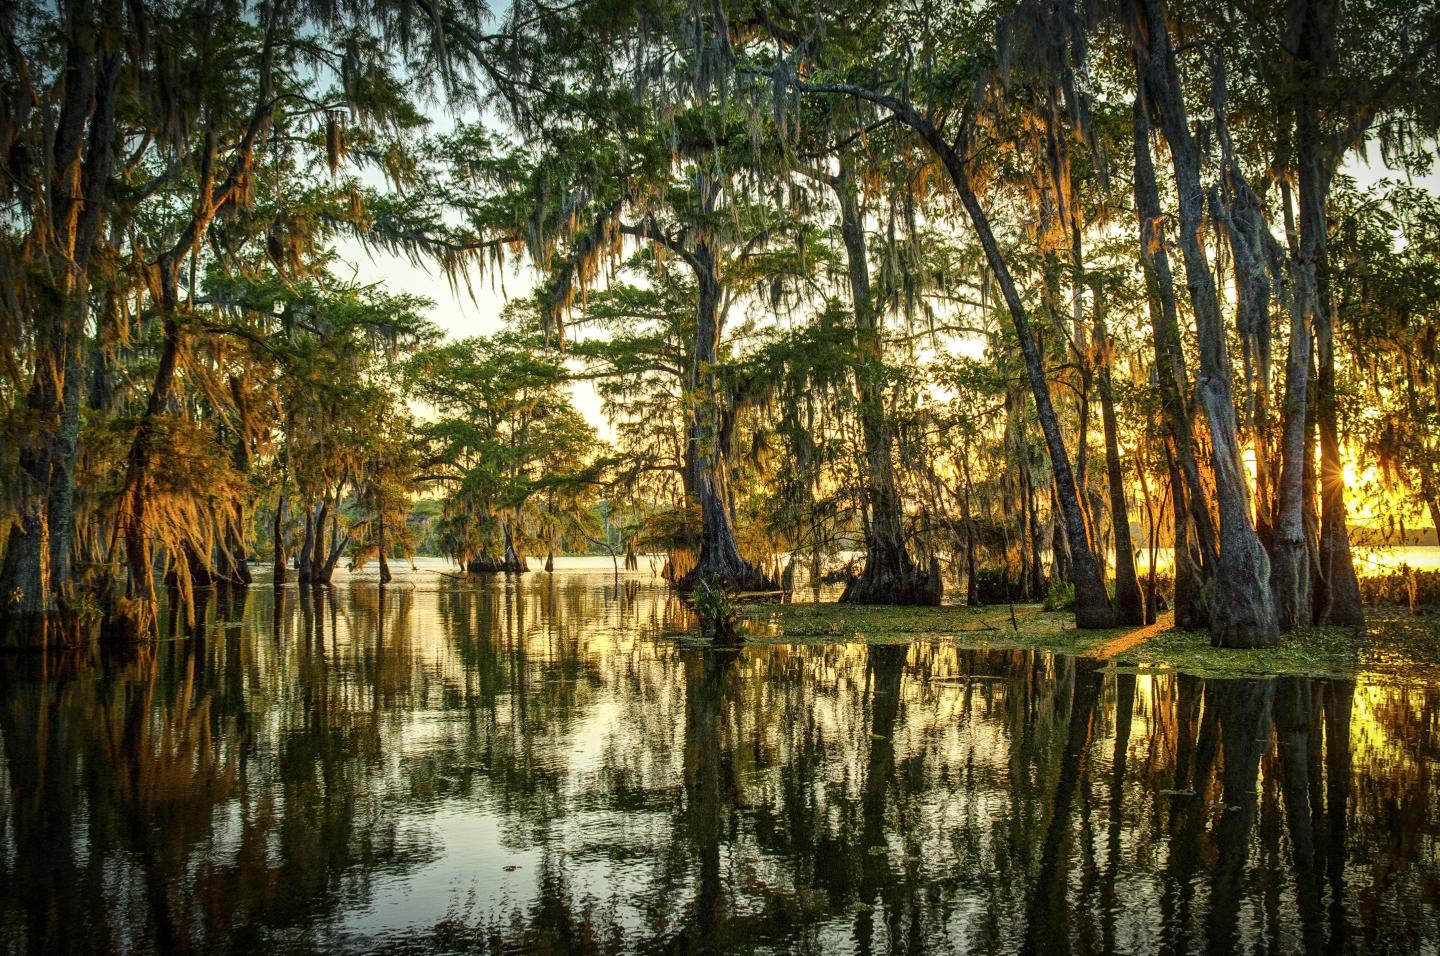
{"x": 546, "y": 765}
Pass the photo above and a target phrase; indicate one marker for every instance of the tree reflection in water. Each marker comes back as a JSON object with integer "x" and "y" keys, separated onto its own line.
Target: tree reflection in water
{"x": 545, "y": 766}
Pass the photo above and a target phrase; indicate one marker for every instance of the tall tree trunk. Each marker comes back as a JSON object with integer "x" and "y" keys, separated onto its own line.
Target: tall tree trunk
{"x": 1338, "y": 601}
{"x": 1033, "y": 584}
{"x": 1290, "y": 567}
{"x": 138, "y": 615}
{"x": 60, "y": 501}
{"x": 890, "y": 575}
{"x": 278, "y": 534}
{"x": 385, "y": 576}
{"x": 25, "y": 582}
{"x": 37, "y": 558}
{"x": 1129, "y": 608}
{"x": 1152, "y": 540}
{"x": 305, "y": 562}
{"x": 338, "y": 543}
{"x": 1187, "y": 491}
{"x": 972, "y": 594}
{"x": 1253, "y": 246}
{"x": 1241, "y": 610}
{"x": 719, "y": 558}
{"x": 37, "y": 574}
{"x": 1092, "y": 603}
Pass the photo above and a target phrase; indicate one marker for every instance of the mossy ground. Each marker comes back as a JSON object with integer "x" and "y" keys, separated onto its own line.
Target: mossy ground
{"x": 1394, "y": 645}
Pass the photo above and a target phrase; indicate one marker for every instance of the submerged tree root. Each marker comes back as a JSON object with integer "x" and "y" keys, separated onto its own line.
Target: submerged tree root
{"x": 484, "y": 564}
{"x": 896, "y": 583}
{"x": 734, "y": 575}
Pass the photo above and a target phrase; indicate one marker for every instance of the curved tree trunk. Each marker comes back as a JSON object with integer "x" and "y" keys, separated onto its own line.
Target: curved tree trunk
{"x": 137, "y": 616}
{"x": 1241, "y": 610}
{"x": 338, "y": 543}
{"x": 1092, "y": 603}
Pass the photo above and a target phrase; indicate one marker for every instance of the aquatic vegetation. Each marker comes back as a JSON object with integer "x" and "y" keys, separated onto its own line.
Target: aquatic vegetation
{"x": 1394, "y": 645}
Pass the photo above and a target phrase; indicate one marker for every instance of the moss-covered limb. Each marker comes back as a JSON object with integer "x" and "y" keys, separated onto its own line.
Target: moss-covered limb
{"x": 1396, "y": 645}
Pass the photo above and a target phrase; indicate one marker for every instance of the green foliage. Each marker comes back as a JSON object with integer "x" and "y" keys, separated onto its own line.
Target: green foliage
{"x": 716, "y": 608}
{"x": 1060, "y": 596}
{"x": 995, "y": 586}
{"x": 517, "y": 463}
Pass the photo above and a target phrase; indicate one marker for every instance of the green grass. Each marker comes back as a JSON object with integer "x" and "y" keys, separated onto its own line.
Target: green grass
{"x": 1394, "y": 645}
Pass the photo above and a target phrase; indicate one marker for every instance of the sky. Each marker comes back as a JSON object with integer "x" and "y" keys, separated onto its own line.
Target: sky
{"x": 460, "y": 312}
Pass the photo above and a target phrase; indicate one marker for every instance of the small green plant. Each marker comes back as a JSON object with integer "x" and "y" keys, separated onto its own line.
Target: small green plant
{"x": 1061, "y": 596}
{"x": 716, "y": 608}
{"x": 86, "y": 608}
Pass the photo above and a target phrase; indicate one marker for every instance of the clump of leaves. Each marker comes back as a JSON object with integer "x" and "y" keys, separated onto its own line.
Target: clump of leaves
{"x": 1061, "y": 596}
{"x": 717, "y": 609}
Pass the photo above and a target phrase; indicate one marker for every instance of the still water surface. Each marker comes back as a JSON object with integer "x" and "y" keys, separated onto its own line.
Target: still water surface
{"x": 547, "y": 766}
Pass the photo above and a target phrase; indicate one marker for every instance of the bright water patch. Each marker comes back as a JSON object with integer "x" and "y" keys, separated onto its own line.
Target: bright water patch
{"x": 541, "y": 764}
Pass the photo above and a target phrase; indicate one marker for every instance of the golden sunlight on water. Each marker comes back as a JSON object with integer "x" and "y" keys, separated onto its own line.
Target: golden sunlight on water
{"x": 548, "y": 764}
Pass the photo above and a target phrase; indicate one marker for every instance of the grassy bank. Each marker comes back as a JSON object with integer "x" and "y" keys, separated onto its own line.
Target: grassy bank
{"x": 1395, "y": 644}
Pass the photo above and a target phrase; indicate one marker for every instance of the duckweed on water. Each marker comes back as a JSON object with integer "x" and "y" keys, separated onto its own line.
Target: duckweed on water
{"x": 1394, "y": 645}
{"x": 1028, "y": 626}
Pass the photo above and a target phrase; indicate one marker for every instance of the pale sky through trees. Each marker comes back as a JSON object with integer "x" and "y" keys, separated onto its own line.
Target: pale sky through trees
{"x": 462, "y": 312}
